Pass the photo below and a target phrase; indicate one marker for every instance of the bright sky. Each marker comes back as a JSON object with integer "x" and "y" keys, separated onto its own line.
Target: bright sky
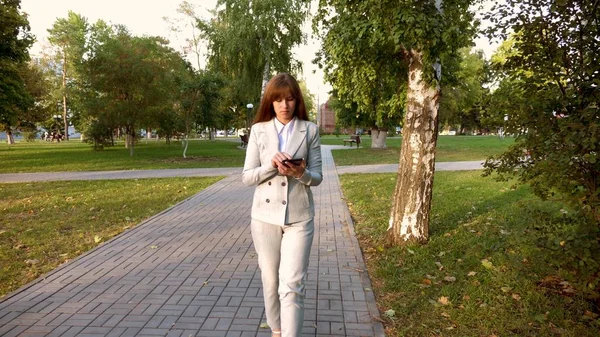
{"x": 143, "y": 17}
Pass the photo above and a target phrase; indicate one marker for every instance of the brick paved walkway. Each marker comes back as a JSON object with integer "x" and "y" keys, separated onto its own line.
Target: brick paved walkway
{"x": 192, "y": 271}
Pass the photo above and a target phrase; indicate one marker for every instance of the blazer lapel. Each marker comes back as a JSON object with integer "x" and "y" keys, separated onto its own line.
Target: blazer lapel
{"x": 297, "y": 137}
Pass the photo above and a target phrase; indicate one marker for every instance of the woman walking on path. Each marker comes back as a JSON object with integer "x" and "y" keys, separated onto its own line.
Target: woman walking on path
{"x": 283, "y": 208}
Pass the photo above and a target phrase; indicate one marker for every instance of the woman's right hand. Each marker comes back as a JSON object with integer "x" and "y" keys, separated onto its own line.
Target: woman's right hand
{"x": 278, "y": 158}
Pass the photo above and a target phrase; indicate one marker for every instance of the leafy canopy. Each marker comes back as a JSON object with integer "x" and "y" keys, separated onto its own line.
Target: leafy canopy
{"x": 552, "y": 77}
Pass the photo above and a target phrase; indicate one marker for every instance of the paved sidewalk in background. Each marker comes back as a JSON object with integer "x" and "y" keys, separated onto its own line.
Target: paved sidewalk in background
{"x": 124, "y": 174}
{"x": 207, "y": 172}
{"x": 191, "y": 270}
{"x": 389, "y": 168}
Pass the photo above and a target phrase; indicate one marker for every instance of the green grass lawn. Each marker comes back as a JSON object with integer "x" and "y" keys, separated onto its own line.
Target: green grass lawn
{"x": 449, "y": 148}
{"x": 76, "y": 156}
{"x": 497, "y": 263}
{"x": 45, "y": 224}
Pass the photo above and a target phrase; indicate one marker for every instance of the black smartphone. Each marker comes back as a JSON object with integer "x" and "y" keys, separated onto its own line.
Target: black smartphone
{"x": 295, "y": 161}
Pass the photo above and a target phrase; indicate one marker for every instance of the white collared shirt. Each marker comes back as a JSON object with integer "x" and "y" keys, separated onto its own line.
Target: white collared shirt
{"x": 284, "y": 132}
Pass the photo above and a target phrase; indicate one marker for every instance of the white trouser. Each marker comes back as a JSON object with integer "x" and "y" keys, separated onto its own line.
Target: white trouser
{"x": 283, "y": 253}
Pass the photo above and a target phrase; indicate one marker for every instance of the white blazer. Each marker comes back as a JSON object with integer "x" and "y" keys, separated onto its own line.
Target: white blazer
{"x": 280, "y": 199}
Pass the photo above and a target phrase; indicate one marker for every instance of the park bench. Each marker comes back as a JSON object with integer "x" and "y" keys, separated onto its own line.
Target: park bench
{"x": 355, "y": 139}
{"x": 244, "y": 139}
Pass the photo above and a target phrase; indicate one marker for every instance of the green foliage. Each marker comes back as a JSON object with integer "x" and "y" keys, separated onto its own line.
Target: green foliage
{"x": 461, "y": 102}
{"x": 30, "y": 136}
{"x": 99, "y": 133}
{"x": 68, "y": 35}
{"x": 248, "y": 40}
{"x": 15, "y": 40}
{"x": 368, "y": 45}
{"x": 134, "y": 96}
{"x": 551, "y": 84}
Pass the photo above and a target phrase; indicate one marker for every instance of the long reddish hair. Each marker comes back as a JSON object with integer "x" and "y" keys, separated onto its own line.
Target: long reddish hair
{"x": 280, "y": 86}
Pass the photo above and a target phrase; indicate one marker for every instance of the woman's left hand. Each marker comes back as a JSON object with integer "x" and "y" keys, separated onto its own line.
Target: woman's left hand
{"x": 293, "y": 170}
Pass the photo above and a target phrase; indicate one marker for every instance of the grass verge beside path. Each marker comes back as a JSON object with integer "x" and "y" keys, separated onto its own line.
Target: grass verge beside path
{"x": 449, "y": 148}
{"x": 76, "y": 156}
{"x": 483, "y": 273}
{"x": 44, "y": 225}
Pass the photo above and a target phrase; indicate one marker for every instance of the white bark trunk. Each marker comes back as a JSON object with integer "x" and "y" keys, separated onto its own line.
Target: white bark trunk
{"x": 409, "y": 219}
{"x": 378, "y": 139}
{"x": 9, "y": 138}
{"x": 266, "y": 73}
{"x": 64, "y": 83}
{"x": 186, "y": 140}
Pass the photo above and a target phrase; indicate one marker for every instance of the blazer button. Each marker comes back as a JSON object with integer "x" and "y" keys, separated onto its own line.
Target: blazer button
{"x": 283, "y": 202}
{"x": 269, "y": 183}
{"x": 268, "y": 201}
{"x": 282, "y": 184}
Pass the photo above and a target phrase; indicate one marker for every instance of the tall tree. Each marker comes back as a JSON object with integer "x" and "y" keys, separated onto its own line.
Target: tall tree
{"x": 249, "y": 40}
{"x": 415, "y": 35}
{"x": 37, "y": 82}
{"x": 363, "y": 69}
{"x": 15, "y": 40}
{"x": 461, "y": 102}
{"x": 188, "y": 20}
{"x": 130, "y": 81}
{"x": 68, "y": 35}
{"x": 555, "y": 70}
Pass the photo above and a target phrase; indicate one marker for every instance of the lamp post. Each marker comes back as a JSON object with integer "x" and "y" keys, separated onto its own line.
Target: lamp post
{"x": 249, "y": 115}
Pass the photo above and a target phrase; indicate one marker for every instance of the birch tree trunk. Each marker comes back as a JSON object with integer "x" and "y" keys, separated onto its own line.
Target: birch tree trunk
{"x": 64, "y": 84}
{"x": 266, "y": 72}
{"x": 409, "y": 219}
{"x": 9, "y": 137}
{"x": 378, "y": 139}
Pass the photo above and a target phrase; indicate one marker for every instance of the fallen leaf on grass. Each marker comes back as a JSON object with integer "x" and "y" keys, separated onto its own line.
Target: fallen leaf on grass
{"x": 443, "y": 314}
{"x": 516, "y": 297}
{"x": 471, "y": 273}
{"x": 443, "y": 300}
{"x": 440, "y": 266}
{"x": 505, "y": 289}
{"x": 391, "y": 313}
{"x": 450, "y": 279}
{"x": 97, "y": 238}
{"x": 487, "y": 264}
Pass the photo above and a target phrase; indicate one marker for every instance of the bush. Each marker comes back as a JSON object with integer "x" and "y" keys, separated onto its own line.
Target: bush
{"x": 30, "y": 136}
{"x": 99, "y": 134}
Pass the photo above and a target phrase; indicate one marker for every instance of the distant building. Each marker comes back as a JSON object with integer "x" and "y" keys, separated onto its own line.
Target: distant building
{"x": 326, "y": 118}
